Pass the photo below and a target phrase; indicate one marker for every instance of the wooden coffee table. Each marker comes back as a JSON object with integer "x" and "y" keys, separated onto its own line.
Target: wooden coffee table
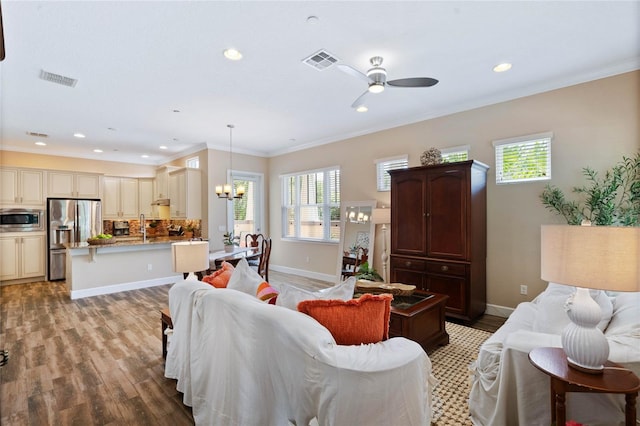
{"x": 419, "y": 317}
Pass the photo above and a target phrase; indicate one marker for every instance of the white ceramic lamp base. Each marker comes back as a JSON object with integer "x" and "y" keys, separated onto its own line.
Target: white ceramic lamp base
{"x": 586, "y": 347}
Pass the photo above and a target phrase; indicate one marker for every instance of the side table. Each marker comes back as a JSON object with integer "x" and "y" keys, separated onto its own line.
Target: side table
{"x": 553, "y": 363}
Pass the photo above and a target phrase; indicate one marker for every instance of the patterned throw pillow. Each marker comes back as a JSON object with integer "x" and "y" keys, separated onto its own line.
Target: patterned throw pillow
{"x": 220, "y": 277}
{"x": 353, "y": 322}
{"x": 266, "y": 293}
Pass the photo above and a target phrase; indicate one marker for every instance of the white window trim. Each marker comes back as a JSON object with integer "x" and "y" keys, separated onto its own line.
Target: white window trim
{"x": 515, "y": 141}
{"x": 283, "y": 206}
{"x": 378, "y": 162}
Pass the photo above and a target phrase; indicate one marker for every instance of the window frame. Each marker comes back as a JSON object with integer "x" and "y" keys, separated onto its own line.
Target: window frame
{"x": 383, "y": 183}
{"x": 189, "y": 162}
{"x": 326, "y": 205}
{"x": 522, "y": 141}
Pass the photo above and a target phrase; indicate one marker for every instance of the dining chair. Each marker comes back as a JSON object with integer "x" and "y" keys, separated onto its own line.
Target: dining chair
{"x": 253, "y": 240}
{"x": 263, "y": 264}
{"x": 351, "y": 263}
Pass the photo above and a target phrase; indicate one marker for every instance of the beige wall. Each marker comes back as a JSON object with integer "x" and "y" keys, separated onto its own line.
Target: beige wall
{"x": 53, "y": 162}
{"x": 594, "y": 124}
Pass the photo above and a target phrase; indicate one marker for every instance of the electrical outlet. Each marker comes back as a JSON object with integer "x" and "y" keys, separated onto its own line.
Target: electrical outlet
{"x": 149, "y": 267}
{"x": 523, "y": 289}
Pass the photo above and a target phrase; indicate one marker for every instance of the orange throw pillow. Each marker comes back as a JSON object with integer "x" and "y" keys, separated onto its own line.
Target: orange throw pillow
{"x": 220, "y": 277}
{"x": 352, "y": 322}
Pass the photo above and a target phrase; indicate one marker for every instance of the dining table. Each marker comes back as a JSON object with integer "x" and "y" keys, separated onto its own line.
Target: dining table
{"x": 239, "y": 253}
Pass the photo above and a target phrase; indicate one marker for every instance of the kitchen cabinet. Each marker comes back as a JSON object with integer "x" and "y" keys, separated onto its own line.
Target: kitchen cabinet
{"x": 73, "y": 185}
{"x": 146, "y": 197}
{"x": 120, "y": 198}
{"x": 162, "y": 181}
{"x": 23, "y": 255}
{"x": 185, "y": 192}
{"x": 21, "y": 187}
{"x": 438, "y": 233}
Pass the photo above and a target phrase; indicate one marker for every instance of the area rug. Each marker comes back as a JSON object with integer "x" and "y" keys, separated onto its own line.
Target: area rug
{"x": 451, "y": 370}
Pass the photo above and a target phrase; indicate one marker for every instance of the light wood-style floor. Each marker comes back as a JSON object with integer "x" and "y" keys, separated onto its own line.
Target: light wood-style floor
{"x": 96, "y": 360}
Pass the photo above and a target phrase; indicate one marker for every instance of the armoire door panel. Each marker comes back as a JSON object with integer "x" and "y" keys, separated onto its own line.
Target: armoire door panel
{"x": 407, "y": 235}
{"x": 447, "y": 209}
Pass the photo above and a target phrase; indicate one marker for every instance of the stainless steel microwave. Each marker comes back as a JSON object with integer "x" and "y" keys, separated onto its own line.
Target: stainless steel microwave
{"x": 21, "y": 220}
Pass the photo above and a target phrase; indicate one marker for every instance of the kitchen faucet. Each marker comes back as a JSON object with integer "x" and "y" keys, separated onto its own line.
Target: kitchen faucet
{"x": 143, "y": 228}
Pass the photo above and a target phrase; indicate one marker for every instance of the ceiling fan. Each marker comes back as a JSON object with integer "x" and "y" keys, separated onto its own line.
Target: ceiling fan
{"x": 376, "y": 78}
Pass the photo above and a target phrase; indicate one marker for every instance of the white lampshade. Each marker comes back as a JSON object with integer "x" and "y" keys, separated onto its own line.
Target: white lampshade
{"x": 598, "y": 257}
{"x": 192, "y": 256}
{"x": 380, "y": 216}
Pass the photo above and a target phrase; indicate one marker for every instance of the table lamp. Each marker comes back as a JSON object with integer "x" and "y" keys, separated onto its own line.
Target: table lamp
{"x": 382, "y": 217}
{"x": 589, "y": 257}
{"x": 189, "y": 257}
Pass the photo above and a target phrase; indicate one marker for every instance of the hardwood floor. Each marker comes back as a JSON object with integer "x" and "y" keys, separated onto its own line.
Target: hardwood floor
{"x": 96, "y": 360}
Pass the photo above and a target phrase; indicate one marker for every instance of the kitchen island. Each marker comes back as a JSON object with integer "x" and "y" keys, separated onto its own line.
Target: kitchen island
{"x": 127, "y": 264}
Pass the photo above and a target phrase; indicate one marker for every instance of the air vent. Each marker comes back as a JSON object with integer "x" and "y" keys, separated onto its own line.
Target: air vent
{"x": 38, "y": 135}
{"x": 321, "y": 60}
{"x": 57, "y": 78}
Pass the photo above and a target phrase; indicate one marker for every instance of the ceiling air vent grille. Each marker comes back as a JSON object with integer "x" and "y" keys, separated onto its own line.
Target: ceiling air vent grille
{"x": 57, "y": 78}
{"x": 321, "y": 60}
{"x": 38, "y": 135}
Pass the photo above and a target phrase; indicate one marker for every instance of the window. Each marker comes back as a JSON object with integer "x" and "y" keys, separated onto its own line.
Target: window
{"x": 311, "y": 205}
{"x": 193, "y": 162}
{"x": 523, "y": 159}
{"x": 384, "y": 165}
{"x": 455, "y": 154}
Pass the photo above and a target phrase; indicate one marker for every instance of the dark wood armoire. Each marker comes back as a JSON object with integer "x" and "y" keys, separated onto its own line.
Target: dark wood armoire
{"x": 439, "y": 233}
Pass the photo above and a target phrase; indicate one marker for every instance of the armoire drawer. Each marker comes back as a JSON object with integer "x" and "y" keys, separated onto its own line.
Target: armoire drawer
{"x": 446, "y": 268}
{"x": 408, "y": 263}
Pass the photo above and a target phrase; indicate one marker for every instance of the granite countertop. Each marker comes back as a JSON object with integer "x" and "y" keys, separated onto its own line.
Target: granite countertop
{"x": 129, "y": 241}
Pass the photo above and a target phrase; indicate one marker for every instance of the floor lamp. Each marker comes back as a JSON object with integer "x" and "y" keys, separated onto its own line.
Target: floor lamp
{"x": 189, "y": 257}
{"x": 382, "y": 217}
{"x": 596, "y": 257}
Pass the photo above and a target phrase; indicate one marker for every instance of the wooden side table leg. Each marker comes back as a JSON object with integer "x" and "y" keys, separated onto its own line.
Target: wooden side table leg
{"x": 630, "y": 409}
{"x": 560, "y": 409}
{"x": 552, "y": 405}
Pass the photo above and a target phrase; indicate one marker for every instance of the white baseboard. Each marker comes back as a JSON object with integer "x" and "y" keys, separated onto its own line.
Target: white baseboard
{"x": 304, "y": 273}
{"x": 498, "y": 311}
{"x": 97, "y": 291}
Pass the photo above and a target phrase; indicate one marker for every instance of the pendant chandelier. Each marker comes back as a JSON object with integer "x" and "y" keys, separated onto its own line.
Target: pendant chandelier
{"x": 226, "y": 190}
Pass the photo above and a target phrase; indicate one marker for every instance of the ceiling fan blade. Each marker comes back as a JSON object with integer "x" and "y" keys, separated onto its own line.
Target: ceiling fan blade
{"x": 413, "y": 82}
{"x": 360, "y": 101}
{"x": 2, "y": 53}
{"x": 353, "y": 72}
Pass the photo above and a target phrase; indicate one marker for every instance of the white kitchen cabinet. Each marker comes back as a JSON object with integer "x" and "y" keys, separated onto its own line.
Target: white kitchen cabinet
{"x": 162, "y": 181}
{"x": 185, "y": 192}
{"x": 146, "y": 197}
{"x": 23, "y": 187}
{"x": 23, "y": 255}
{"x": 120, "y": 198}
{"x": 73, "y": 185}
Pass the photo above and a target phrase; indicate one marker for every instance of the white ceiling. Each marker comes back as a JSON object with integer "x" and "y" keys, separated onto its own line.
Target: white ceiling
{"x": 137, "y": 62}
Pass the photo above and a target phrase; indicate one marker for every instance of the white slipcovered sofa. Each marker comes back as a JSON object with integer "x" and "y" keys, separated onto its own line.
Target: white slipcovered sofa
{"x": 240, "y": 361}
{"x": 508, "y": 390}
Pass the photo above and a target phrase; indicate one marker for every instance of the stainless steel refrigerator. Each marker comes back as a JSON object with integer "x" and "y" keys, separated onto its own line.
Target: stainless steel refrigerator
{"x": 69, "y": 221}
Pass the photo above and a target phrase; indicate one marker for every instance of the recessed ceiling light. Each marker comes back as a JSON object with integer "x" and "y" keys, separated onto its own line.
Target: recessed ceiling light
{"x": 79, "y": 135}
{"x": 312, "y": 19}
{"x": 362, "y": 108}
{"x": 98, "y": 150}
{"x": 40, "y": 143}
{"x": 232, "y": 54}
{"x": 163, "y": 147}
{"x": 505, "y": 66}
{"x": 111, "y": 128}
{"x": 144, "y": 156}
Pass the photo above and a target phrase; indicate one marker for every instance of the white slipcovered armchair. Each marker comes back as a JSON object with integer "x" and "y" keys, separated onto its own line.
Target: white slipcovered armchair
{"x": 508, "y": 390}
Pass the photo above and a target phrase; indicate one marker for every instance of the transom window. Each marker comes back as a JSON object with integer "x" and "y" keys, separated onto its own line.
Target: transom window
{"x": 523, "y": 159}
{"x": 193, "y": 162}
{"x": 383, "y": 165}
{"x": 311, "y": 205}
{"x": 455, "y": 154}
